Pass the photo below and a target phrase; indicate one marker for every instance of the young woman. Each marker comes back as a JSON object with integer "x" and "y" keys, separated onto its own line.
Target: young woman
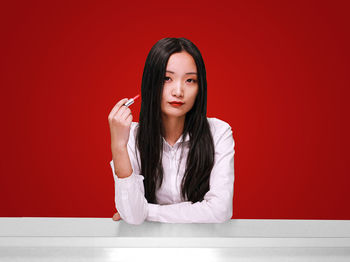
{"x": 175, "y": 165}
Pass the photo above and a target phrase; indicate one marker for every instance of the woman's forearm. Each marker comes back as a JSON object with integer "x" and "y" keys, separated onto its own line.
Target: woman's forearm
{"x": 121, "y": 160}
{"x": 129, "y": 190}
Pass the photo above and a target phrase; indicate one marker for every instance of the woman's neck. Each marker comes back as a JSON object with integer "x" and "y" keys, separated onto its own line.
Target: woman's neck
{"x": 173, "y": 128}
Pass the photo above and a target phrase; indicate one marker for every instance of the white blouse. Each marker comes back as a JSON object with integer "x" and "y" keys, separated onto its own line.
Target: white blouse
{"x": 216, "y": 207}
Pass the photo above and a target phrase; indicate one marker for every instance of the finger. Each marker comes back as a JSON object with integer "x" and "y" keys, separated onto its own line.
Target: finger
{"x": 129, "y": 119}
{"x": 119, "y": 114}
{"x": 126, "y": 113}
{"x": 116, "y": 107}
{"x": 119, "y": 106}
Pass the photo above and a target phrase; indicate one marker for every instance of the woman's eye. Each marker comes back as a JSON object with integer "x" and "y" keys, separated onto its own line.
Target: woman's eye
{"x": 166, "y": 78}
{"x": 192, "y": 80}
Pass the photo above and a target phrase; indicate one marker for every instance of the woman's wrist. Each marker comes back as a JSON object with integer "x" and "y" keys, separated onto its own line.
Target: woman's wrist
{"x": 118, "y": 149}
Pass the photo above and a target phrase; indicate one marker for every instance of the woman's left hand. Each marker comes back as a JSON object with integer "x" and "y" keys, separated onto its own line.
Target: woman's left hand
{"x": 116, "y": 216}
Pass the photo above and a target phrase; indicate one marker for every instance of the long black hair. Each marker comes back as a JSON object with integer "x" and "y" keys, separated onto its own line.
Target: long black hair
{"x": 200, "y": 159}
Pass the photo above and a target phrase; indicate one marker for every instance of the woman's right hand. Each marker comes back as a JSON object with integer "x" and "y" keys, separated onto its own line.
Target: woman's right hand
{"x": 119, "y": 120}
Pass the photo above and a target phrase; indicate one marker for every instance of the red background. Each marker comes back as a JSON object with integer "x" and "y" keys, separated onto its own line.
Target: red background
{"x": 277, "y": 72}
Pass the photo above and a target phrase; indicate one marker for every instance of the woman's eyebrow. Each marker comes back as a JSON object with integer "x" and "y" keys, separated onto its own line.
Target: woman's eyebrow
{"x": 189, "y": 73}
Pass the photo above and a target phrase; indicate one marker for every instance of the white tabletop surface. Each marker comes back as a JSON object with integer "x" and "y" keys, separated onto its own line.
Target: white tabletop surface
{"x": 102, "y": 239}
{"x": 234, "y": 233}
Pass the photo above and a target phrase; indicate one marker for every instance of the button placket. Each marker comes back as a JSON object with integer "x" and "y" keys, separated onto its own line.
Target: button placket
{"x": 172, "y": 159}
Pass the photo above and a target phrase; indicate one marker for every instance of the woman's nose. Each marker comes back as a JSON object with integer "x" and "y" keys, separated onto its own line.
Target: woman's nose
{"x": 177, "y": 89}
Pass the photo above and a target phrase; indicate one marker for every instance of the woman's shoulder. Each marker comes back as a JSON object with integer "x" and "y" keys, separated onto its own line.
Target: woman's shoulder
{"x": 217, "y": 124}
{"x": 218, "y": 127}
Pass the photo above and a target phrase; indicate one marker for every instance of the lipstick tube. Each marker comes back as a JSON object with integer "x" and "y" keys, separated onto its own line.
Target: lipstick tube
{"x": 131, "y": 101}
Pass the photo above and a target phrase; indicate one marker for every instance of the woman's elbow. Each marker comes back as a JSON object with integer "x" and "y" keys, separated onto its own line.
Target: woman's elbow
{"x": 137, "y": 218}
{"x": 135, "y": 222}
{"x": 224, "y": 216}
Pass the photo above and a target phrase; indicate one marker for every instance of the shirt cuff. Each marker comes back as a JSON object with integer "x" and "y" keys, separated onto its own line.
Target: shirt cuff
{"x": 153, "y": 212}
{"x": 125, "y": 182}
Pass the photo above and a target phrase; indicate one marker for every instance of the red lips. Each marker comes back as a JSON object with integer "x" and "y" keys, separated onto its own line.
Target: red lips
{"x": 176, "y": 103}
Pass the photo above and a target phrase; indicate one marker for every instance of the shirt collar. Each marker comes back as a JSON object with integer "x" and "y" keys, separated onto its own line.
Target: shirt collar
{"x": 177, "y": 144}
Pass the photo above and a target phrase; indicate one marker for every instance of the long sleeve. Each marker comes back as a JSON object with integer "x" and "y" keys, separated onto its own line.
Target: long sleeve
{"x": 130, "y": 198}
{"x": 217, "y": 204}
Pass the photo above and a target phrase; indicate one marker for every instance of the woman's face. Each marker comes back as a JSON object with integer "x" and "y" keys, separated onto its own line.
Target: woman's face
{"x": 180, "y": 85}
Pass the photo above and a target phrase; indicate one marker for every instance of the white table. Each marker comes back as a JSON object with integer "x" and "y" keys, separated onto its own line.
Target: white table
{"x": 102, "y": 239}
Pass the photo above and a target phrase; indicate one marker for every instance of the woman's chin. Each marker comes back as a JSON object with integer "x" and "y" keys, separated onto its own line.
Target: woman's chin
{"x": 174, "y": 114}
